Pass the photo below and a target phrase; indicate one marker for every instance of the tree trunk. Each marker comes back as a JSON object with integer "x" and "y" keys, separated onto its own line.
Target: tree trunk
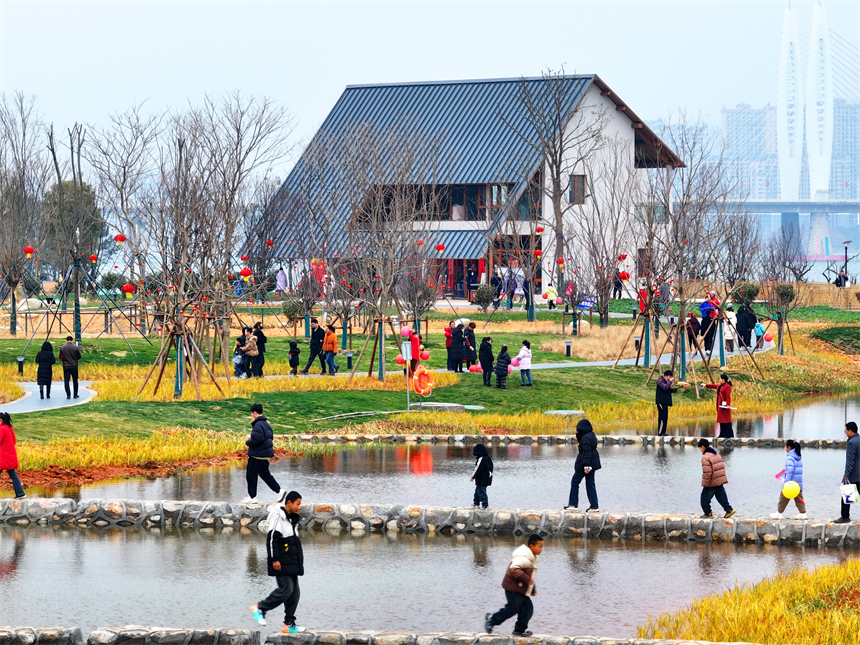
{"x": 13, "y": 316}
{"x": 76, "y": 277}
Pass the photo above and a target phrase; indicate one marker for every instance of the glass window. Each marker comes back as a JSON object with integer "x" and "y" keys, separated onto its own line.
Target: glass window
{"x": 577, "y": 189}
{"x": 458, "y": 204}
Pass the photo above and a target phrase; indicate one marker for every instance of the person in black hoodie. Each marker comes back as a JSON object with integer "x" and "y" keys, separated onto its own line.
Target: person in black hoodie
{"x": 260, "y": 450}
{"x": 470, "y": 350}
{"x": 457, "y": 350}
{"x": 485, "y": 355}
{"x": 483, "y": 475}
{"x": 294, "y": 357}
{"x": 745, "y": 324}
{"x": 261, "y": 347}
{"x": 587, "y": 463}
{"x": 501, "y": 368}
{"x": 285, "y": 560}
{"x": 45, "y": 372}
{"x": 317, "y": 338}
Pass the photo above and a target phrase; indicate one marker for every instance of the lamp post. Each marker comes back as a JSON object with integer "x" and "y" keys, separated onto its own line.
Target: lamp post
{"x": 846, "y": 243}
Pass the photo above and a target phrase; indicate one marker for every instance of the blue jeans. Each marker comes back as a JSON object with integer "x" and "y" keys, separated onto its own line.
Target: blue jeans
{"x": 329, "y": 359}
{"x": 526, "y": 374}
{"x": 16, "y": 483}
{"x": 590, "y": 489}
{"x": 481, "y": 498}
{"x": 238, "y": 370}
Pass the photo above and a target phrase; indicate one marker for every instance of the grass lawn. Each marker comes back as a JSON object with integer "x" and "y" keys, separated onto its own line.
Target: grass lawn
{"x": 845, "y": 338}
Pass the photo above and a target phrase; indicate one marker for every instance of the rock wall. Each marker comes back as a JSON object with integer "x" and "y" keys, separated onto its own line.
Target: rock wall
{"x": 559, "y": 439}
{"x": 40, "y": 636}
{"x": 358, "y": 519}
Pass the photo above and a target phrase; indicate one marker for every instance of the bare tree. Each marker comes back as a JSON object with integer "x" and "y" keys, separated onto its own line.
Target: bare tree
{"x": 783, "y": 278}
{"x": 23, "y": 177}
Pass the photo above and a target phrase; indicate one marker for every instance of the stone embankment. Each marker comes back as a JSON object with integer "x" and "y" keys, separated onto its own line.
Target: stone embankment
{"x": 559, "y": 439}
{"x": 136, "y": 635}
{"x": 358, "y": 519}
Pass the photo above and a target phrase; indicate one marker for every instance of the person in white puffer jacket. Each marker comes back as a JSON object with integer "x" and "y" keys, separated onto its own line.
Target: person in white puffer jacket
{"x": 525, "y": 361}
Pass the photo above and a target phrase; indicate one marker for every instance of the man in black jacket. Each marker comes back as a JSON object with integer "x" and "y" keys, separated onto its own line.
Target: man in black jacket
{"x": 261, "y": 449}
{"x": 483, "y": 475}
{"x": 664, "y": 400}
{"x": 286, "y": 562}
{"x": 317, "y": 338}
{"x": 852, "y": 468}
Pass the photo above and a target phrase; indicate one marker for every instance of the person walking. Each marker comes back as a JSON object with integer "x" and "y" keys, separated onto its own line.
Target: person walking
{"x": 285, "y": 561}
{"x": 239, "y": 358}
{"x": 793, "y": 473}
{"x": 260, "y": 451}
{"x": 617, "y": 287}
{"x": 9, "y": 454}
{"x": 330, "y": 349}
{"x": 261, "y": 348}
{"x": 714, "y": 480}
{"x": 497, "y": 282}
{"x": 852, "y": 468}
{"x": 317, "y": 338}
{"x": 724, "y": 405}
{"x": 251, "y": 353}
{"x": 457, "y": 350}
{"x": 70, "y": 356}
{"x": 482, "y": 475}
{"x": 503, "y": 360}
{"x": 664, "y": 400}
{"x": 519, "y": 586}
{"x": 485, "y": 355}
{"x": 708, "y": 327}
{"x": 745, "y": 324}
{"x": 470, "y": 346}
{"x": 449, "y": 333}
{"x": 525, "y": 359}
{"x": 294, "y": 357}
{"x": 45, "y": 370}
{"x": 551, "y": 295}
{"x": 587, "y": 463}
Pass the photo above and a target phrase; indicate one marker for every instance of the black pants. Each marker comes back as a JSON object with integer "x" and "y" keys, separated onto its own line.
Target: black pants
{"x": 259, "y": 468}
{"x": 73, "y": 373}
{"x": 487, "y": 372}
{"x": 662, "y": 418}
{"x": 846, "y": 508}
{"x": 590, "y": 488}
{"x": 288, "y": 594}
{"x": 46, "y": 387}
{"x": 518, "y": 605}
{"x": 726, "y": 430}
{"x": 500, "y": 381}
{"x": 708, "y": 494}
{"x": 249, "y": 363}
{"x": 258, "y": 365}
{"x": 316, "y": 351}
{"x": 616, "y": 293}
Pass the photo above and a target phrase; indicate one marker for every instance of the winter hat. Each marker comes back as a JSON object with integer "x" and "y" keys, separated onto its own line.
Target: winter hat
{"x": 583, "y": 426}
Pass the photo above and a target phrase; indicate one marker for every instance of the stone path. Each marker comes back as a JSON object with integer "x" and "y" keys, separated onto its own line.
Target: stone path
{"x": 31, "y": 402}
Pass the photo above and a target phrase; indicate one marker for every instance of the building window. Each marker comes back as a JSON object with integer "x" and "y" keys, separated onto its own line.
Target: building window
{"x": 577, "y": 189}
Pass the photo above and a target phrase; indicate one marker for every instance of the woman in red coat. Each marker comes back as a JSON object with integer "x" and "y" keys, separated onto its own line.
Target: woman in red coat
{"x": 8, "y": 454}
{"x": 724, "y": 405}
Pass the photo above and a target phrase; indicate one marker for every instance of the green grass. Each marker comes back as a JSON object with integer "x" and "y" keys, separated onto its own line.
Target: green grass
{"x": 845, "y": 338}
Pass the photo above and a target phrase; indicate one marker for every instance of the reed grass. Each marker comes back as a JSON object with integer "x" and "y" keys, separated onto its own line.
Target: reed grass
{"x": 596, "y": 344}
{"x": 9, "y": 391}
{"x": 808, "y": 607}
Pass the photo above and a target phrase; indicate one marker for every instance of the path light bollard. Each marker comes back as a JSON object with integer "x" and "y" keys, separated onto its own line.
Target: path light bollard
{"x": 636, "y": 341}
{"x": 20, "y": 364}
{"x": 568, "y": 344}
{"x": 349, "y": 360}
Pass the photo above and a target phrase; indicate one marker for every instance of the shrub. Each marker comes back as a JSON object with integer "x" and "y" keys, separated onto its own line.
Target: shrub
{"x": 745, "y": 293}
{"x": 292, "y": 309}
{"x": 484, "y": 296}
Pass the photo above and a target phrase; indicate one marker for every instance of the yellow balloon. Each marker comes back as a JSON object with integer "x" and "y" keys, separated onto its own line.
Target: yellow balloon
{"x": 791, "y": 489}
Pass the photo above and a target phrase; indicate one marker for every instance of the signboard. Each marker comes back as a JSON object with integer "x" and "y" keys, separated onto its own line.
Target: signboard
{"x": 588, "y": 302}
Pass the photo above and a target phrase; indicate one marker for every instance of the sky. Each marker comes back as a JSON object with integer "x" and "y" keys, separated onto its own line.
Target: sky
{"x": 86, "y": 60}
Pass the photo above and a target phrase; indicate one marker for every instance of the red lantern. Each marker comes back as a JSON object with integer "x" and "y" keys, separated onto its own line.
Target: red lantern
{"x": 622, "y": 257}
{"x": 270, "y": 243}
{"x": 244, "y": 258}
{"x": 29, "y": 250}
{"x": 539, "y": 230}
{"x": 127, "y": 289}
{"x": 119, "y": 238}
{"x": 560, "y": 261}
{"x": 94, "y": 258}
{"x": 246, "y": 274}
{"x": 420, "y": 242}
{"x": 538, "y": 253}
{"x": 624, "y": 276}
{"x": 440, "y": 247}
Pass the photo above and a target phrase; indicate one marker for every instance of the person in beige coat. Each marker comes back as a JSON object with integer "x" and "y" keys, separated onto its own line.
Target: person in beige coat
{"x": 713, "y": 480}
{"x": 519, "y": 586}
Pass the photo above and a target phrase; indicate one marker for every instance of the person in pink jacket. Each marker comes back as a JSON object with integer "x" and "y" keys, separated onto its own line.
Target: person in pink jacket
{"x": 8, "y": 453}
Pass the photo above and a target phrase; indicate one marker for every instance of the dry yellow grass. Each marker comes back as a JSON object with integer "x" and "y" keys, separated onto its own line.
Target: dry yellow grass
{"x": 9, "y": 391}
{"x": 810, "y": 607}
{"x": 595, "y": 344}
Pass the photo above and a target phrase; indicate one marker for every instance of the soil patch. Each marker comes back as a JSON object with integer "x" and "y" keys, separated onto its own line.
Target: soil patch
{"x": 58, "y": 477}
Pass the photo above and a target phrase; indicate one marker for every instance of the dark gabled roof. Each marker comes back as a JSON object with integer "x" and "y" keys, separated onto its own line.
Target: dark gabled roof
{"x": 476, "y": 146}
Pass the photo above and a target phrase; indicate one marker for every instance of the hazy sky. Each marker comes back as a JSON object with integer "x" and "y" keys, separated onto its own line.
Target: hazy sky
{"x": 84, "y": 60}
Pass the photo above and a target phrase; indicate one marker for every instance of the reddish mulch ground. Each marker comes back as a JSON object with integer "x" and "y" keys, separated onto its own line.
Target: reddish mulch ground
{"x": 57, "y": 477}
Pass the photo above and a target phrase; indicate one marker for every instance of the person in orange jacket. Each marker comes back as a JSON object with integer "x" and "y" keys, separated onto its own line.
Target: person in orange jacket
{"x": 724, "y": 405}
{"x": 330, "y": 349}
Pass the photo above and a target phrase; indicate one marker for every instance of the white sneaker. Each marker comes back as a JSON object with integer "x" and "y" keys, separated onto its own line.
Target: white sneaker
{"x": 801, "y": 516}
{"x": 776, "y": 516}
{"x": 249, "y": 500}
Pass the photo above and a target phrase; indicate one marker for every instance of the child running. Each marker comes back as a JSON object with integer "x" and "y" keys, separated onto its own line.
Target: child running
{"x": 793, "y": 473}
{"x": 519, "y": 586}
{"x": 483, "y": 475}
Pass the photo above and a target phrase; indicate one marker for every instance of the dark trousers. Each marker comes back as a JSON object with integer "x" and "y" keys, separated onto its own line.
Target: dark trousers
{"x": 726, "y": 430}
{"x": 316, "y": 351}
{"x": 70, "y": 372}
{"x": 518, "y": 605}
{"x": 616, "y": 292}
{"x": 662, "y": 418}
{"x": 47, "y": 389}
{"x": 480, "y": 498}
{"x": 488, "y": 373}
{"x": 248, "y": 363}
{"x": 259, "y": 361}
{"x": 500, "y": 381}
{"x": 259, "y": 468}
{"x": 287, "y": 593}
{"x": 16, "y": 483}
{"x": 590, "y": 489}
{"x": 846, "y": 508}
{"x": 450, "y": 363}
{"x": 708, "y": 494}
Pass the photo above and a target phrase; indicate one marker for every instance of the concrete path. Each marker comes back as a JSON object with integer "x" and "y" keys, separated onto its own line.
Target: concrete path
{"x": 31, "y": 402}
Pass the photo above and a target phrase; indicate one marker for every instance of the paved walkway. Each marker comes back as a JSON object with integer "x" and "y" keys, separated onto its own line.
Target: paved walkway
{"x": 31, "y": 402}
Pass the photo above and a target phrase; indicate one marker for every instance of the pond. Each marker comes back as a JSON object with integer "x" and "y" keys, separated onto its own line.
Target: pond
{"x": 92, "y": 578}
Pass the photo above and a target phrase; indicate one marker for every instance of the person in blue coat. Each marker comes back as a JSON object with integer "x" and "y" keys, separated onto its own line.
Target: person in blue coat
{"x": 587, "y": 463}
{"x": 793, "y": 473}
